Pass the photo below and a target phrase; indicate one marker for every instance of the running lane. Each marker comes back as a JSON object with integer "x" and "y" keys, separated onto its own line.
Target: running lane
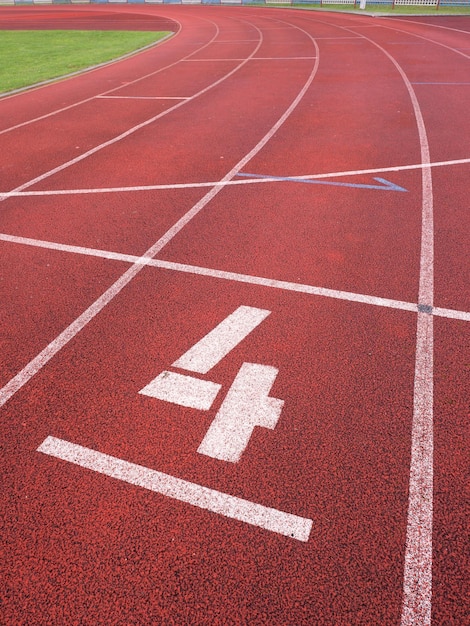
{"x": 263, "y": 180}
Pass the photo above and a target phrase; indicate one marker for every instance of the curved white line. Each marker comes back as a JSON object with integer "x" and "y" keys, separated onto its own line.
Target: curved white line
{"x": 457, "y": 30}
{"x": 130, "y": 131}
{"x": 38, "y": 362}
{"x": 437, "y": 43}
{"x": 132, "y": 82}
{"x": 417, "y": 584}
{"x": 243, "y": 181}
{"x": 85, "y": 70}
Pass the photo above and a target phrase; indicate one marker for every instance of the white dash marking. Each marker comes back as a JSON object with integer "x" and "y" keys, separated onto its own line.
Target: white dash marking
{"x": 417, "y": 583}
{"x": 38, "y": 362}
{"x": 221, "y": 340}
{"x": 183, "y": 390}
{"x": 246, "y": 405}
{"x": 230, "y": 182}
{"x": 242, "y": 278}
{"x": 417, "y": 579}
{"x": 140, "y": 98}
{"x": 224, "y": 504}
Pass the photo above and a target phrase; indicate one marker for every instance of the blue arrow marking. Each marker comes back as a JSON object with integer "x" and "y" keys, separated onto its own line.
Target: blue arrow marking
{"x": 385, "y": 185}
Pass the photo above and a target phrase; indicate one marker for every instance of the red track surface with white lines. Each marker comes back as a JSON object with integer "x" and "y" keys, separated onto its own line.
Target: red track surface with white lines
{"x": 307, "y": 168}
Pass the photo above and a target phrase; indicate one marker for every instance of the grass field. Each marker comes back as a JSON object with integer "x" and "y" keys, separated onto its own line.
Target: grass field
{"x": 29, "y": 57}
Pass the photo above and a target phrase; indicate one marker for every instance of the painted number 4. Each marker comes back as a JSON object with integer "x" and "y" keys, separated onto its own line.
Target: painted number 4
{"x": 247, "y": 403}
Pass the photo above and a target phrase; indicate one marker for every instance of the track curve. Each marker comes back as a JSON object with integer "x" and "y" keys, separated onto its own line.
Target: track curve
{"x": 239, "y": 163}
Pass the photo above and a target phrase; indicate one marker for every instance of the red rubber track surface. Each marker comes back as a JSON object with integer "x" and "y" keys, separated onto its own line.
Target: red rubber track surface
{"x": 81, "y": 163}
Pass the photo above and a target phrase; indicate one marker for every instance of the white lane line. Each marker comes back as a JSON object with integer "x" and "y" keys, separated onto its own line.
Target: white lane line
{"x": 378, "y": 170}
{"x": 451, "y": 314}
{"x": 283, "y": 58}
{"x": 132, "y": 82}
{"x": 38, "y": 362}
{"x": 221, "y": 340}
{"x": 358, "y": 37}
{"x": 431, "y": 83}
{"x": 130, "y": 131}
{"x": 241, "y": 278}
{"x": 255, "y": 59}
{"x": 246, "y": 406}
{"x": 14, "y": 92}
{"x": 417, "y": 579}
{"x": 183, "y": 390}
{"x": 141, "y": 97}
{"x": 417, "y": 583}
{"x": 224, "y": 504}
{"x": 429, "y": 24}
{"x": 229, "y": 183}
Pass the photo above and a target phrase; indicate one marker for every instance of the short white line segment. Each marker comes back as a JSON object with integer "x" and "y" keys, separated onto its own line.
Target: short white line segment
{"x": 191, "y": 493}
{"x": 246, "y": 406}
{"x": 38, "y": 362}
{"x": 141, "y": 97}
{"x": 212, "y": 348}
{"x": 182, "y": 390}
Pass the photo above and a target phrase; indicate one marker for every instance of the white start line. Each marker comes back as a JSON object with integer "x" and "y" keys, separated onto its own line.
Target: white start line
{"x": 246, "y": 405}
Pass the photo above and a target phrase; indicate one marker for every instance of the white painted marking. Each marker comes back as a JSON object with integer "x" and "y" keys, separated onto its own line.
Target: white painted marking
{"x": 433, "y": 41}
{"x": 132, "y": 130}
{"x": 212, "y": 348}
{"x": 224, "y": 504}
{"x": 71, "y": 106}
{"x": 90, "y": 69}
{"x": 417, "y": 580}
{"x": 378, "y": 170}
{"x": 183, "y": 390}
{"x": 36, "y": 364}
{"x": 417, "y": 583}
{"x": 246, "y": 405}
{"x": 228, "y": 183}
{"x": 434, "y": 83}
{"x": 451, "y": 314}
{"x": 141, "y": 97}
{"x": 254, "y": 59}
{"x": 243, "y": 278}
{"x": 357, "y": 37}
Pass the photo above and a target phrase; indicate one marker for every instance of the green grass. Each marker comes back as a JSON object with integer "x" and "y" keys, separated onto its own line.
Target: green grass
{"x": 29, "y": 57}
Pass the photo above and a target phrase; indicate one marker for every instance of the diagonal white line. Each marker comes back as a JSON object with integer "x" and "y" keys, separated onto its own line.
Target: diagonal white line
{"x": 221, "y": 340}
{"x": 36, "y": 364}
{"x": 276, "y": 521}
{"x": 228, "y": 183}
{"x": 142, "y": 97}
{"x": 238, "y": 277}
{"x": 130, "y": 131}
{"x": 417, "y": 578}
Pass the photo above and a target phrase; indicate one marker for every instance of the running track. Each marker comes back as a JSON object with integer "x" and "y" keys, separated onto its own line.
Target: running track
{"x": 145, "y": 202}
